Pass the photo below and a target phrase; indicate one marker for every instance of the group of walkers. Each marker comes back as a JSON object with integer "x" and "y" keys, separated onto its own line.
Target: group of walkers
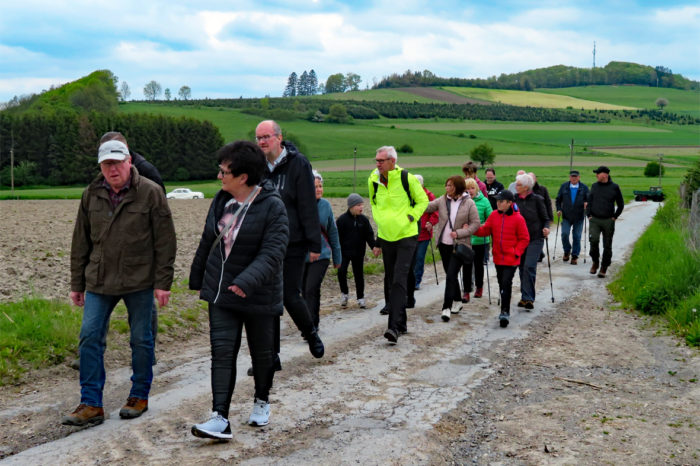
{"x": 268, "y": 240}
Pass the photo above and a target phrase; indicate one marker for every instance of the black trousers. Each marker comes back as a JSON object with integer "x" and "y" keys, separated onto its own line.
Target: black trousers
{"x": 225, "y": 330}
{"x": 293, "y": 275}
{"x": 478, "y": 265}
{"x": 451, "y": 265}
{"x": 397, "y": 257}
{"x": 313, "y": 278}
{"x": 505, "y": 274}
{"x": 357, "y": 272}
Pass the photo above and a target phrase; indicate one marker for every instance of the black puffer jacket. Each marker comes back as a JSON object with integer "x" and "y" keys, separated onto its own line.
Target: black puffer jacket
{"x": 255, "y": 261}
{"x": 602, "y": 200}
{"x": 532, "y": 208}
{"x": 542, "y": 191}
{"x": 294, "y": 181}
{"x": 146, "y": 169}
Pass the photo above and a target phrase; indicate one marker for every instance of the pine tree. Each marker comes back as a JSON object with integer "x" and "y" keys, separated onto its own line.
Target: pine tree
{"x": 291, "y": 89}
{"x": 313, "y": 83}
{"x": 303, "y": 84}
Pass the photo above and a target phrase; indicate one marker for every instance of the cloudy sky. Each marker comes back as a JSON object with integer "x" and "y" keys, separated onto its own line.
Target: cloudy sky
{"x": 248, "y": 48}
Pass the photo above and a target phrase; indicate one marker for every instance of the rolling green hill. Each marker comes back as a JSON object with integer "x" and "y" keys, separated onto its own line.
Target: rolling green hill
{"x": 679, "y": 101}
{"x": 532, "y": 99}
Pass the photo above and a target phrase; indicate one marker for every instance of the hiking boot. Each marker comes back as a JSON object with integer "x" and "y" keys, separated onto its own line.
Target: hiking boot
{"x": 134, "y": 407}
{"x": 574, "y": 260}
{"x": 344, "y": 300}
{"x": 602, "y": 271}
{"x": 361, "y": 303}
{"x": 566, "y": 257}
{"x": 391, "y": 335}
{"x": 594, "y": 268}
{"x": 260, "y": 415}
{"x": 410, "y": 302}
{"x": 479, "y": 293}
{"x": 521, "y": 303}
{"x": 384, "y": 311}
{"x": 217, "y": 427}
{"x": 456, "y": 307}
{"x": 446, "y": 314}
{"x": 465, "y": 298}
{"x": 503, "y": 320}
{"x": 529, "y": 305}
{"x": 277, "y": 364}
{"x": 83, "y": 415}
{"x": 541, "y": 257}
{"x": 315, "y": 345}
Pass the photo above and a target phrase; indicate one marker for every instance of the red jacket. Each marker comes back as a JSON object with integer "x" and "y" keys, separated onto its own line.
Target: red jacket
{"x": 510, "y": 236}
{"x": 433, "y": 218}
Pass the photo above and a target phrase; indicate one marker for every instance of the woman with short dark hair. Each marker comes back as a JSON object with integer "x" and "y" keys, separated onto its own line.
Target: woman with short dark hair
{"x": 237, "y": 270}
{"x": 459, "y": 219}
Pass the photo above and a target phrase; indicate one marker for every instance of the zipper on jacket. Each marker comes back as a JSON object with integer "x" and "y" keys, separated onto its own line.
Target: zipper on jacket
{"x": 221, "y": 276}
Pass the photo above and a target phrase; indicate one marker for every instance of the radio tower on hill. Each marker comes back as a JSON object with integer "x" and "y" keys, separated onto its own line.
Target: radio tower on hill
{"x": 593, "y": 54}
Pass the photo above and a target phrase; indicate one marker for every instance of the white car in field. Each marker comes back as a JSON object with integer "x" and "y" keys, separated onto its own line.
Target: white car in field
{"x": 184, "y": 193}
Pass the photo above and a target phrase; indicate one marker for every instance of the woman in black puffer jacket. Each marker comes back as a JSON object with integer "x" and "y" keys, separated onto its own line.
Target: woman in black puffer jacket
{"x": 240, "y": 276}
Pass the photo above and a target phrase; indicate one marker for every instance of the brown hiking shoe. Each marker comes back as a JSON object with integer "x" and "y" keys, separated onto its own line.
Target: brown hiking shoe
{"x": 83, "y": 415}
{"x": 574, "y": 260}
{"x": 134, "y": 407}
{"x": 601, "y": 272}
{"x": 566, "y": 256}
{"x": 594, "y": 268}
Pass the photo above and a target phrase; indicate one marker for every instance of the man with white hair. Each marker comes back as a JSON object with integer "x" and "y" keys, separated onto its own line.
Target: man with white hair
{"x": 531, "y": 207}
{"x": 397, "y": 201}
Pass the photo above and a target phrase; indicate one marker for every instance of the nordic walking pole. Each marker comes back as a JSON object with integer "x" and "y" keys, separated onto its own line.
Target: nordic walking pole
{"x": 488, "y": 281}
{"x": 554, "y": 254}
{"x": 551, "y": 287}
{"x": 434, "y": 266}
{"x": 585, "y": 238}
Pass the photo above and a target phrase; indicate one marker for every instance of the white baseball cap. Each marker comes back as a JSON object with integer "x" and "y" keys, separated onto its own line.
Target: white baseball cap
{"x": 112, "y": 150}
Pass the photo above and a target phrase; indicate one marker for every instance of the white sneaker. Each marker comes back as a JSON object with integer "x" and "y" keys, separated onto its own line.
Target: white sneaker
{"x": 456, "y": 307}
{"x": 216, "y": 427}
{"x": 361, "y": 303}
{"x": 344, "y": 300}
{"x": 446, "y": 314}
{"x": 261, "y": 413}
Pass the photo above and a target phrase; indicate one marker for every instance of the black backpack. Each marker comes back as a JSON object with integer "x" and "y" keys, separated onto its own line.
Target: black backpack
{"x": 404, "y": 183}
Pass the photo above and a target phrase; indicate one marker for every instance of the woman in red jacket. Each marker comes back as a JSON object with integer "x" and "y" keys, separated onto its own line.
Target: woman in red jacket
{"x": 509, "y": 239}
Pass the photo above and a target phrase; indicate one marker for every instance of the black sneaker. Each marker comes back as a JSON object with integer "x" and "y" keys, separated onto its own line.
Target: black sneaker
{"x": 384, "y": 311}
{"x": 391, "y": 335}
{"x": 503, "y": 319}
{"x": 315, "y": 345}
{"x": 410, "y": 302}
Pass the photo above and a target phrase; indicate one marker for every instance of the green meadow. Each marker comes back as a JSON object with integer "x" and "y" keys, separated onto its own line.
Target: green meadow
{"x": 679, "y": 101}
{"x": 525, "y": 98}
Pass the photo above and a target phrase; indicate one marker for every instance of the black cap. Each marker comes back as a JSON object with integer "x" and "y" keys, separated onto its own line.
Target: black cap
{"x": 505, "y": 195}
{"x": 602, "y": 169}
{"x": 574, "y": 173}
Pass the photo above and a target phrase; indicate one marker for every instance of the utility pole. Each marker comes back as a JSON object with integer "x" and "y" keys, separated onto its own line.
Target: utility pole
{"x": 354, "y": 170}
{"x": 571, "y": 155}
{"x": 12, "y": 162}
{"x": 593, "y": 54}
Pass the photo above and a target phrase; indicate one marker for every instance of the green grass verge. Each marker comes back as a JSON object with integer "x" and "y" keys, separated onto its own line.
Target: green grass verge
{"x": 36, "y": 333}
{"x": 662, "y": 276}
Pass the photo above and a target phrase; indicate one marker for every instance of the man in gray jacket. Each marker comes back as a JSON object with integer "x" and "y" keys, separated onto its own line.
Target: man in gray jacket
{"x": 123, "y": 247}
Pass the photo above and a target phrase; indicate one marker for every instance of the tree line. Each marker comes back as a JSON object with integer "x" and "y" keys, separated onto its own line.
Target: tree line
{"x": 61, "y": 148}
{"x": 551, "y": 77}
{"x": 307, "y": 84}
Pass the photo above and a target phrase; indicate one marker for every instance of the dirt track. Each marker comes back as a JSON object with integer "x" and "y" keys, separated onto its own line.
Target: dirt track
{"x": 573, "y": 382}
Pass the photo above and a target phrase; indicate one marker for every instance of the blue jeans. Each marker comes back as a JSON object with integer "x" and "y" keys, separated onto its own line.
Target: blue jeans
{"x": 566, "y": 225}
{"x": 528, "y": 269}
{"x": 421, "y": 250}
{"x": 93, "y": 341}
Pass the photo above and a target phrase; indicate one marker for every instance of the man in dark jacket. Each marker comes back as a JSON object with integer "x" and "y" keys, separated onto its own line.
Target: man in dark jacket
{"x": 123, "y": 247}
{"x": 571, "y": 201}
{"x": 601, "y": 213}
{"x": 493, "y": 187}
{"x": 290, "y": 172}
{"x": 531, "y": 207}
{"x": 147, "y": 170}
